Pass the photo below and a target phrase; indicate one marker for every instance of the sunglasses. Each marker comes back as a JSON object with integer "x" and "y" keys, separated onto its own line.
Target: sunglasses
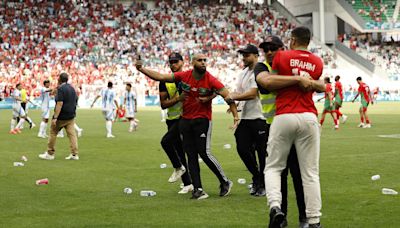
{"x": 270, "y": 48}
{"x": 173, "y": 62}
{"x": 202, "y": 60}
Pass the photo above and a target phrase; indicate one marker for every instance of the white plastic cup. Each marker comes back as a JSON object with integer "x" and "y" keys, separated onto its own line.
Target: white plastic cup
{"x": 388, "y": 191}
{"x": 163, "y": 166}
{"x": 241, "y": 181}
{"x": 128, "y": 191}
{"x": 23, "y": 158}
{"x": 375, "y": 177}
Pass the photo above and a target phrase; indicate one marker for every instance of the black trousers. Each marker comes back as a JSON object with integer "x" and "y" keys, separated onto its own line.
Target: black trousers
{"x": 294, "y": 168}
{"x": 196, "y": 141}
{"x": 172, "y": 144}
{"x": 251, "y": 137}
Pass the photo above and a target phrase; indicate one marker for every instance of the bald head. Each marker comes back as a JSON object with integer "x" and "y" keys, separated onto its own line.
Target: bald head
{"x": 199, "y": 63}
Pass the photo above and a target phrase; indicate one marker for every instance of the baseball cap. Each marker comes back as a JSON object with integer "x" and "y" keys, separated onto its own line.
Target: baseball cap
{"x": 175, "y": 56}
{"x": 271, "y": 40}
{"x": 250, "y": 48}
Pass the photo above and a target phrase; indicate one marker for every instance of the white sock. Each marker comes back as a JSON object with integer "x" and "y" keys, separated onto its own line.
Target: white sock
{"x": 20, "y": 123}
{"x": 42, "y": 129}
{"x": 109, "y": 127}
{"x": 13, "y": 122}
{"x": 61, "y": 133}
{"x": 29, "y": 120}
{"x": 77, "y": 127}
{"x": 131, "y": 125}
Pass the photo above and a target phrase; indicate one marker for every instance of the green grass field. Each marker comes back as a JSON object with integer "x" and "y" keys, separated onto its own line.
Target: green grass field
{"x": 89, "y": 192}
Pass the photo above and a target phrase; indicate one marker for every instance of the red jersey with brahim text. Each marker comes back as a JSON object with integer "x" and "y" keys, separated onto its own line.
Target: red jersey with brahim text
{"x": 293, "y": 99}
{"x": 192, "y": 108}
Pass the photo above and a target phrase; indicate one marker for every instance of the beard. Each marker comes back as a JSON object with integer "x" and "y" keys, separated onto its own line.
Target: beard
{"x": 200, "y": 70}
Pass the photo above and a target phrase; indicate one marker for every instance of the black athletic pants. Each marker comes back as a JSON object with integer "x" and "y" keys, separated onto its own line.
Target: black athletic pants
{"x": 172, "y": 144}
{"x": 197, "y": 141}
{"x": 250, "y": 135}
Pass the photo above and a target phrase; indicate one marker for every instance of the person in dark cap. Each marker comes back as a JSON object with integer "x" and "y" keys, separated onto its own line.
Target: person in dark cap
{"x": 271, "y": 46}
{"x": 171, "y": 99}
{"x": 250, "y": 134}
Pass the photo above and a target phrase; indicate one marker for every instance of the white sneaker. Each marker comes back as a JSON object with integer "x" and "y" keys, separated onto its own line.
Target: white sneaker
{"x": 367, "y": 126}
{"x": 336, "y": 127}
{"x": 80, "y": 132}
{"x": 361, "y": 125}
{"x": 72, "y": 157}
{"x": 41, "y": 136}
{"x": 46, "y": 156}
{"x": 186, "y": 189}
{"x": 344, "y": 118}
{"x": 60, "y": 135}
{"x": 33, "y": 125}
{"x": 110, "y": 136}
{"x": 177, "y": 174}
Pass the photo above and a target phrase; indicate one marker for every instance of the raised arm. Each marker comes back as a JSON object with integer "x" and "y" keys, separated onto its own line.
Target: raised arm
{"x": 154, "y": 74}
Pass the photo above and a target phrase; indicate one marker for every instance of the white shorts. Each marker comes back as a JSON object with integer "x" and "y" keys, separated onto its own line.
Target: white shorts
{"x": 109, "y": 114}
{"x": 130, "y": 113}
{"x": 46, "y": 113}
{"x": 18, "y": 111}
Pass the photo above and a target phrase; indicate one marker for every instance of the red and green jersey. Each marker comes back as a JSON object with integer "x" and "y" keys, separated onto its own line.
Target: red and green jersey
{"x": 339, "y": 90}
{"x": 293, "y": 99}
{"x": 364, "y": 91}
{"x": 192, "y": 107}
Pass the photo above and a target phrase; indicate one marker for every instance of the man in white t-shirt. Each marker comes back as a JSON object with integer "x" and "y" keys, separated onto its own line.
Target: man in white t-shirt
{"x": 251, "y": 132}
{"x": 108, "y": 104}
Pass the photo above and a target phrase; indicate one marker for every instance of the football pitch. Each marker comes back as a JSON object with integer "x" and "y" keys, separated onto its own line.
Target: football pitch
{"x": 89, "y": 192}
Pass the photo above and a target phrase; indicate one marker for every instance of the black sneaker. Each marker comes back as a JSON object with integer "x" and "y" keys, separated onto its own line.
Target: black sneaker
{"x": 253, "y": 189}
{"x": 276, "y": 217}
{"x": 284, "y": 224}
{"x": 260, "y": 191}
{"x": 199, "y": 194}
{"x": 316, "y": 225}
{"x": 225, "y": 188}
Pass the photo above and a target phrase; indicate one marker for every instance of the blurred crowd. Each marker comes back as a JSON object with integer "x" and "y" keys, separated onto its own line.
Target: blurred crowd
{"x": 95, "y": 41}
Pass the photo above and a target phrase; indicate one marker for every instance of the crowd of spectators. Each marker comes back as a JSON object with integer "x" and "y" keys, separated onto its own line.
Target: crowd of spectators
{"x": 95, "y": 41}
{"x": 384, "y": 54}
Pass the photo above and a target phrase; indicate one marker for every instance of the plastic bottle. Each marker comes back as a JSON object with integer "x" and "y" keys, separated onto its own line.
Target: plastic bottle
{"x": 147, "y": 193}
{"x": 18, "y": 164}
{"x": 388, "y": 191}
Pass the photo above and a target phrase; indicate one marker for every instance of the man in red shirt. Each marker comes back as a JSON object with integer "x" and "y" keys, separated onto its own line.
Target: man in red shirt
{"x": 295, "y": 123}
{"x": 328, "y": 105}
{"x": 339, "y": 99}
{"x": 195, "y": 124}
{"x": 365, "y": 94}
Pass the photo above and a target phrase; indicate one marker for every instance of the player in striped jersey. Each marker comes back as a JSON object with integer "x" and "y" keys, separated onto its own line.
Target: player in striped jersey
{"x": 45, "y": 99}
{"x": 130, "y": 106}
{"x": 18, "y": 111}
{"x": 108, "y": 104}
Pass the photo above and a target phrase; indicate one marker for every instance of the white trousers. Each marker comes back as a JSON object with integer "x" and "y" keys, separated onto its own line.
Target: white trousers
{"x": 302, "y": 130}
